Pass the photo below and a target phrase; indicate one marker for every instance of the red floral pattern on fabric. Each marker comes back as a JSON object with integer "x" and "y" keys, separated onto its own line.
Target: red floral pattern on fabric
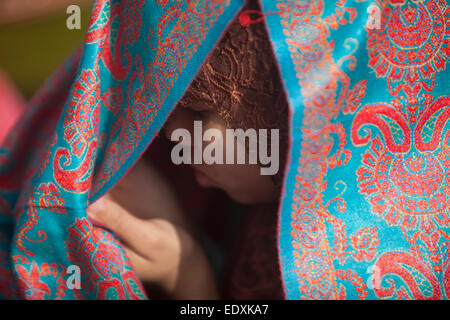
{"x": 404, "y": 169}
{"x": 88, "y": 119}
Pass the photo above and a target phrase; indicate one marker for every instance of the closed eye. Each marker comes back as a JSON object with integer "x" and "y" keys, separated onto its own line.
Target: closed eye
{"x": 198, "y": 113}
{"x": 199, "y": 110}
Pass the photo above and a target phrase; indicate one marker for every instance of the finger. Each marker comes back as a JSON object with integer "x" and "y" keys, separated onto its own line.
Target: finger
{"x": 140, "y": 235}
{"x": 149, "y": 271}
{"x": 140, "y": 264}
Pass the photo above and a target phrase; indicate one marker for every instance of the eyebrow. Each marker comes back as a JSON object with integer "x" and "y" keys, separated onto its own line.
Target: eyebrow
{"x": 199, "y": 106}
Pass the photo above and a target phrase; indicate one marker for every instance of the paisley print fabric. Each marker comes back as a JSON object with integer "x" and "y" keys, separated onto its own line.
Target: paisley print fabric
{"x": 90, "y": 122}
{"x": 365, "y": 205}
{"x": 365, "y": 211}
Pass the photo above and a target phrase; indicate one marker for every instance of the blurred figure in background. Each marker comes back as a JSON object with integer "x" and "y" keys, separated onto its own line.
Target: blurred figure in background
{"x": 12, "y": 103}
{"x": 34, "y": 42}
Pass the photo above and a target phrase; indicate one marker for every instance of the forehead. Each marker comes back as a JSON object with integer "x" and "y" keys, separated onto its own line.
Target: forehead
{"x": 197, "y": 105}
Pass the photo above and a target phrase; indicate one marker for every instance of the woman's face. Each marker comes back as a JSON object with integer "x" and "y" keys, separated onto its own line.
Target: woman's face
{"x": 242, "y": 182}
{"x": 238, "y": 87}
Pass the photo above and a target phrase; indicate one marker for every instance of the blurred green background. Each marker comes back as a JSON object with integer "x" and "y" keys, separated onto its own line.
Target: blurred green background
{"x": 31, "y": 49}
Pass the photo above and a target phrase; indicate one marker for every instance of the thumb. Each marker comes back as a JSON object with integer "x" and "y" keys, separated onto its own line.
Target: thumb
{"x": 139, "y": 235}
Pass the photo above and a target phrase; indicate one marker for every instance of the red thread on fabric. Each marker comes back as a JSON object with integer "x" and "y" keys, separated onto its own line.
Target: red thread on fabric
{"x": 245, "y": 19}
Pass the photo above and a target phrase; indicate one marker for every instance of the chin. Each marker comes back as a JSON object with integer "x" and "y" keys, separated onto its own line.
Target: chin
{"x": 249, "y": 199}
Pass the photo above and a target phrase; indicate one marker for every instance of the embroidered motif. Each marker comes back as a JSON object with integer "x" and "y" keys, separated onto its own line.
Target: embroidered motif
{"x": 399, "y": 148}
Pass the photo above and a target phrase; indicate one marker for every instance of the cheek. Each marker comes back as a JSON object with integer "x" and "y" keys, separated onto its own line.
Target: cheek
{"x": 245, "y": 184}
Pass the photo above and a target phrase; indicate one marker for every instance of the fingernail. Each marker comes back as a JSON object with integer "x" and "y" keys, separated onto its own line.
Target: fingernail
{"x": 93, "y": 211}
{"x": 96, "y": 207}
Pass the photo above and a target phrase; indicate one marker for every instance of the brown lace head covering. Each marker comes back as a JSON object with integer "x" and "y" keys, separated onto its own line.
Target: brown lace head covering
{"x": 240, "y": 79}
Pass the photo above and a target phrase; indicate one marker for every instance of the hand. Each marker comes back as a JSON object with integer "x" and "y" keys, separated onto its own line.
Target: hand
{"x": 142, "y": 211}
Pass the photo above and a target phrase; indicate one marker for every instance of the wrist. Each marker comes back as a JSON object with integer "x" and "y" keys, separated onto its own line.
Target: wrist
{"x": 196, "y": 277}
